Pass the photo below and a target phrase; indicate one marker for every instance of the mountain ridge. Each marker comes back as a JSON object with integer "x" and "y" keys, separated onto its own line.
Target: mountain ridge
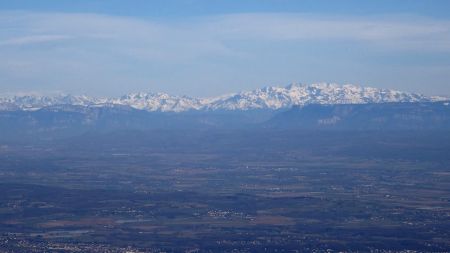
{"x": 381, "y": 116}
{"x": 271, "y": 97}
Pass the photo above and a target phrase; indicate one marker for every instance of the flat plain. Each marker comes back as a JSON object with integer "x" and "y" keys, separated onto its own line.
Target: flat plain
{"x": 228, "y": 191}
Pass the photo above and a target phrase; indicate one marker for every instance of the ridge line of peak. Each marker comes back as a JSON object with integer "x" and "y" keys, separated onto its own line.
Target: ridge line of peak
{"x": 269, "y": 97}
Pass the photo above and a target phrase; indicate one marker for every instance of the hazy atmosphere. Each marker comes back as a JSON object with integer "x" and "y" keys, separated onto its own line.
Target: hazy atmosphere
{"x": 207, "y": 48}
{"x": 201, "y": 126}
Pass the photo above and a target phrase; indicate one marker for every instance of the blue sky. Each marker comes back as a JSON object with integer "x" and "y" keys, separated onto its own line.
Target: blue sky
{"x": 210, "y": 47}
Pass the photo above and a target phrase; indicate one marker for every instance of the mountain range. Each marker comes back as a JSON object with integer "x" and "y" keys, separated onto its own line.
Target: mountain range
{"x": 295, "y": 107}
{"x": 272, "y": 98}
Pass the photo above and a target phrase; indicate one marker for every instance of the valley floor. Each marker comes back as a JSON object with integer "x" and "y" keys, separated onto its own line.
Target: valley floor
{"x": 227, "y": 191}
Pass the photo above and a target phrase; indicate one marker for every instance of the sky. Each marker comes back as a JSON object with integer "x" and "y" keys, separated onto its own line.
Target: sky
{"x": 210, "y": 47}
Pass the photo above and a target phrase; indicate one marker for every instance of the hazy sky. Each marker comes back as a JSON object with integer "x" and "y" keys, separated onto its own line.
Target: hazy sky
{"x": 210, "y": 47}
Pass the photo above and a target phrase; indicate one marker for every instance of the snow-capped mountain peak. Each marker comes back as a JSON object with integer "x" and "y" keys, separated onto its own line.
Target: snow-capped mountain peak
{"x": 320, "y": 93}
{"x": 272, "y": 97}
{"x": 158, "y": 102}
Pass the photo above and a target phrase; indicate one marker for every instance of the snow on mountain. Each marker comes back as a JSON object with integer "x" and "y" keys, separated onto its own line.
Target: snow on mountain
{"x": 158, "y": 102}
{"x": 264, "y": 98}
{"x": 323, "y": 93}
{"x": 35, "y": 102}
